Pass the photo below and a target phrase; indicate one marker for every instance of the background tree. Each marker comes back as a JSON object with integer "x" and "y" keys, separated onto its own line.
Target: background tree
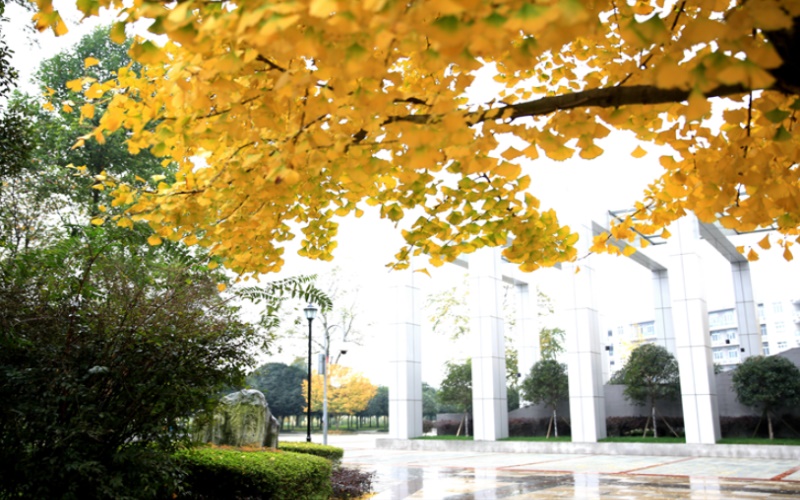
{"x": 651, "y": 373}
{"x": 349, "y": 392}
{"x": 282, "y": 384}
{"x": 379, "y": 404}
{"x": 67, "y": 116}
{"x": 456, "y": 389}
{"x": 548, "y": 384}
{"x": 767, "y": 383}
{"x": 512, "y": 397}
{"x": 551, "y": 342}
{"x": 430, "y": 405}
{"x": 340, "y": 321}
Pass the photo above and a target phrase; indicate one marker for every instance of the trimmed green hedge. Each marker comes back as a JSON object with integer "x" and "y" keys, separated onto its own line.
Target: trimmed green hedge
{"x": 330, "y": 452}
{"x": 215, "y": 473}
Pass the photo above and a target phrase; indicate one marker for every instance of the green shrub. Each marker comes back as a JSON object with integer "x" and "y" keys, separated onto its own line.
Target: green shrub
{"x": 330, "y": 452}
{"x": 215, "y": 473}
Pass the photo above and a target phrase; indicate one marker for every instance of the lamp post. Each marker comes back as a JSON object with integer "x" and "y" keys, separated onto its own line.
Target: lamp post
{"x": 311, "y": 313}
{"x": 325, "y": 384}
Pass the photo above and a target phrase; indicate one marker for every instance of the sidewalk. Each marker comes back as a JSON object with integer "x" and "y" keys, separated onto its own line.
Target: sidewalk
{"x": 415, "y": 474}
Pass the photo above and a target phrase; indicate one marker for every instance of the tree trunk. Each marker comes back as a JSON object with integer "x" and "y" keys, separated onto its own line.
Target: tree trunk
{"x": 460, "y": 424}
{"x": 466, "y": 425}
{"x": 655, "y": 424}
{"x": 646, "y": 425}
{"x": 769, "y": 426}
{"x": 549, "y": 426}
{"x": 555, "y": 423}
{"x": 666, "y": 422}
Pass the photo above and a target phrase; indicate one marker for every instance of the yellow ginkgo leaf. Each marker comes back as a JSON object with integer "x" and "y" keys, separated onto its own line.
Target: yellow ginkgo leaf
{"x": 90, "y": 61}
{"x": 639, "y": 152}
{"x": 154, "y": 240}
{"x": 221, "y": 287}
{"x": 87, "y": 111}
{"x": 752, "y": 255}
{"x": 75, "y": 85}
{"x": 764, "y": 243}
{"x": 98, "y": 221}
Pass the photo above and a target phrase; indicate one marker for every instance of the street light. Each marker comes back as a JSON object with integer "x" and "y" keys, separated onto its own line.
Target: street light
{"x": 311, "y": 313}
{"x": 325, "y": 380}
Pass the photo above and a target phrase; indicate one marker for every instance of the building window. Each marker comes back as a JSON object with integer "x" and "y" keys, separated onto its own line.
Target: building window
{"x": 779, "y": 326}
{"x": 761, "y": 312}
{"x": 717, "y": 354}
{"x": 721, "y": 318}
{"x": 777, "y": 307}
{"x": 610, "y": 333}
{"x": 715, "y": 337}
{"x": 782, "y": 345}
{"x": 733, "y": 354}
{"x": 763, "y": 330}
{"x": 765, "y": 347}
{"x": 612, "y": 363}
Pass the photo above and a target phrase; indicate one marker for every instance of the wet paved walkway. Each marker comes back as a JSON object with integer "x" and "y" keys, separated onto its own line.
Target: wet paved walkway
{"x": 431, "y": 475}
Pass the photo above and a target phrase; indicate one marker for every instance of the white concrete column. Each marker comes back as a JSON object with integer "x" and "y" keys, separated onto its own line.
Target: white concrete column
{"x": 584, "y": 360}
{"x": 489, "y": 407}
{"x": 527, "y": 328}
{"x": 746, "y": 311}
{"x": 665, "y": 331}
{"x": 405, "y": 360}
{"x": 692, "y": 338}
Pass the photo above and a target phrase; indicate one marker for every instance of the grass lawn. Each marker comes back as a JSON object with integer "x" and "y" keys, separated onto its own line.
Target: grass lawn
{"x": 539, "y": 439}
{"x": 640, "y": 439}
{"x": 445, "y": 438}
{"x": 788, "y": 442}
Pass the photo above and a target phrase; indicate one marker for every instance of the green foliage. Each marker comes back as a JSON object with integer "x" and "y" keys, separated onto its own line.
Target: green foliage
{"x": 547, "y": 383}
{"x": 429, "y": 401}
{"x": 512, "y": 367}
{"x": 229, "y": 473}
{"x": 512, "y": 401}
{"x": 17, "y": 137}
{"x": 456, "y": 387}
{"x": 59, "y": 129}
{"x": 651, "y": 373}
{"x": 551, "y": 342}
{"x": 618, "y": 378}
{"x": 378, "y": 406}
{"x": 321, "y": 450}
{"x": 282, "y": 385}
{"x": 106, "y": 346}
{"x": 767, "y": 383}
{"x": 273, "y": 294}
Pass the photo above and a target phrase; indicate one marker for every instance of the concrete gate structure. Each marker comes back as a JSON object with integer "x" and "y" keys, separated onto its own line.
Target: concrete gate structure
{"x": 681, "y": 323}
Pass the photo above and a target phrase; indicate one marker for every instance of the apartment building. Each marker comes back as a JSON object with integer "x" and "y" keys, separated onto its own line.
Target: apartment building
{"x": 779, "y": 321}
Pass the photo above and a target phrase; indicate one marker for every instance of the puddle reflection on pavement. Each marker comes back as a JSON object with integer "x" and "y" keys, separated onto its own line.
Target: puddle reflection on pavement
{"x": 452, "y": 483}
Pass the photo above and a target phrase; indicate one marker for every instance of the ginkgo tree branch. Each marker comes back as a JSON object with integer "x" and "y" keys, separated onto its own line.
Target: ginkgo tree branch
{"x": 610, "y": 97}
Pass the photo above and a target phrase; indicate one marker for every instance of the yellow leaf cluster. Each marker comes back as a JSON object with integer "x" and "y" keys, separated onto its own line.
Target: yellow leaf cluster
{"x": 303, "y": 111}
{"x": 349, "y": 392}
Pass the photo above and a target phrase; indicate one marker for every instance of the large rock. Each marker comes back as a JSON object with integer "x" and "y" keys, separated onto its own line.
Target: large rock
{"x": 242, "y": 419}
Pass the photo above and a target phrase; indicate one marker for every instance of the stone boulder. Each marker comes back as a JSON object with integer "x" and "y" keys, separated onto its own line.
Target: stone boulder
{"x": 242, "y": 419}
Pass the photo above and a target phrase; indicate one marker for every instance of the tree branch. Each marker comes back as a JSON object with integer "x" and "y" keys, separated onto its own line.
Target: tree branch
{"x": 610, "y": 97}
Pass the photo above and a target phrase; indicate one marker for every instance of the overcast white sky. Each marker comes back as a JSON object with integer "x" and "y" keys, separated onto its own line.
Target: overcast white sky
{"x": 575, "y": 188}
